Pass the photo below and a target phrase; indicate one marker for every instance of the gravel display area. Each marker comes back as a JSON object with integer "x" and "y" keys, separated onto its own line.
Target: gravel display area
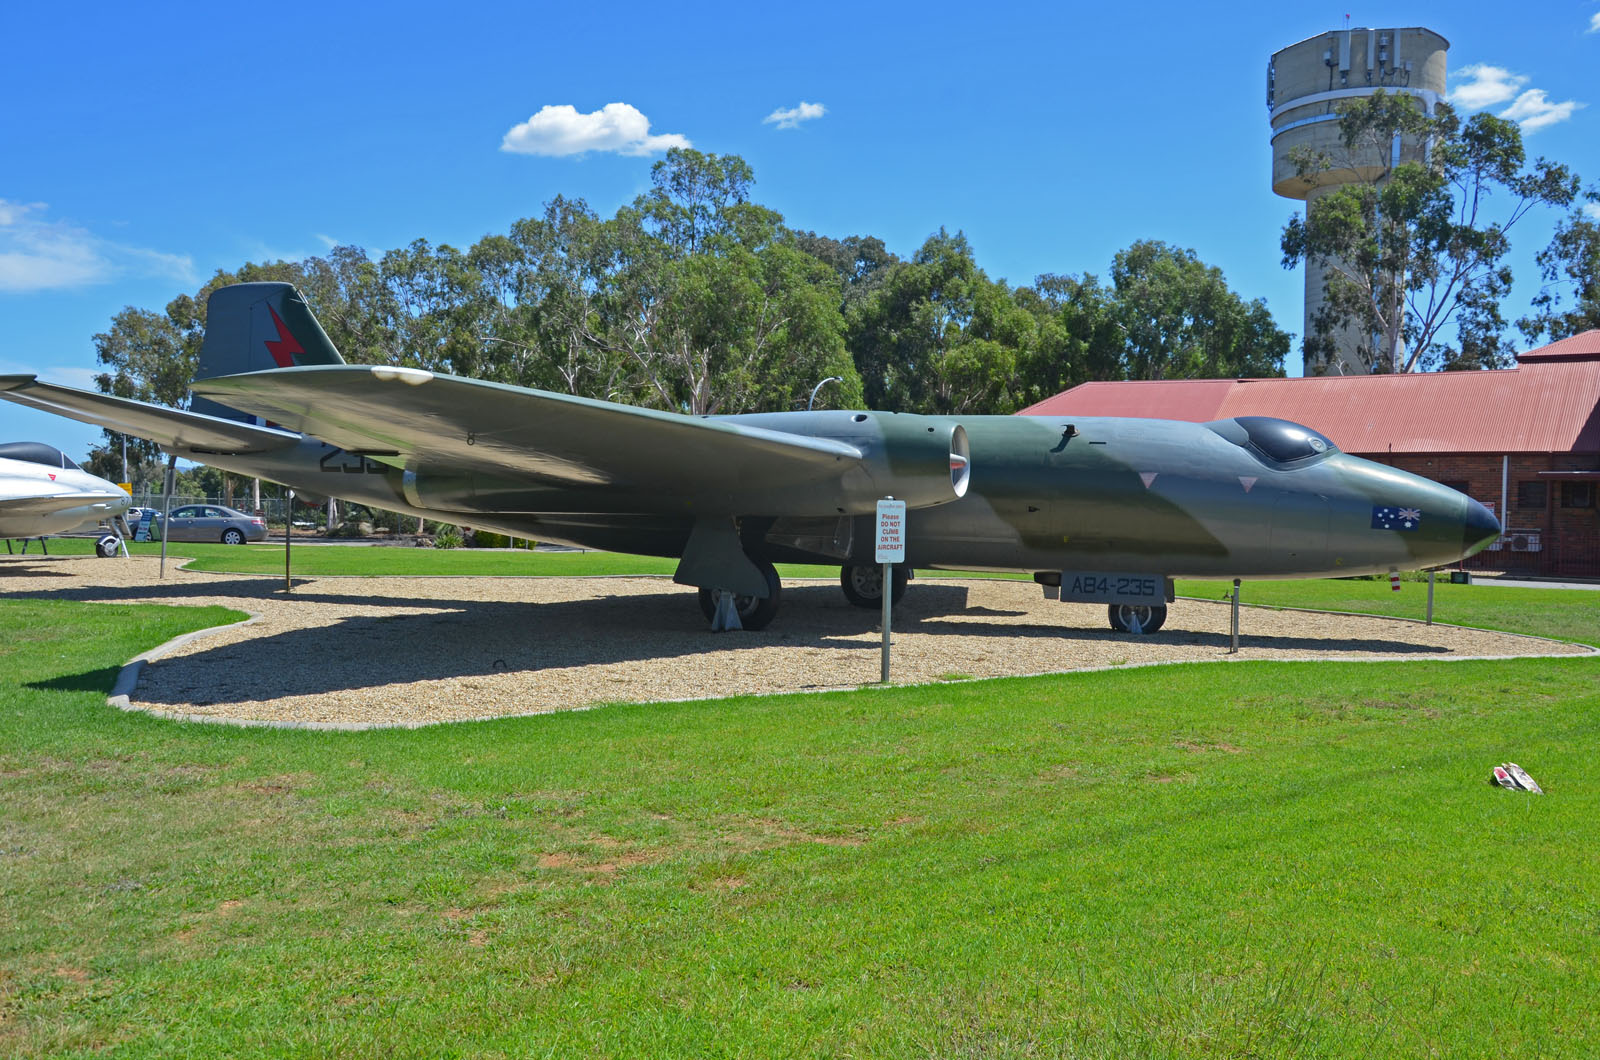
{"x": 407, "y": 651}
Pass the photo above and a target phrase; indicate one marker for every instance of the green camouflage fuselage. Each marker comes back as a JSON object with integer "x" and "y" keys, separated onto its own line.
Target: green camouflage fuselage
{"x": 1105, "y": 494}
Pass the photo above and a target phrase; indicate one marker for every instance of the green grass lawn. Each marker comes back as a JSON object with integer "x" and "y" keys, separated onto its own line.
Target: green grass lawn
{"x": 321, "y": 560}
{"x": 1567, "y": 614}
{"x": 1265, "y": 860}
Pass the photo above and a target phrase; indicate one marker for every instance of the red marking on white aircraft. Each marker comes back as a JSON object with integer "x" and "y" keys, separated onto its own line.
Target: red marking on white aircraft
{"x": 1148, "y": 477}
{"x": 285, "y": 347}
{"x": 52, "y": 475}
{"x": 1247, "y": 481}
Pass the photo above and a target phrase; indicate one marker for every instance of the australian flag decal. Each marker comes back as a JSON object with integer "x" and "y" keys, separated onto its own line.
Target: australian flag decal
{"x": 1396, "y": 518}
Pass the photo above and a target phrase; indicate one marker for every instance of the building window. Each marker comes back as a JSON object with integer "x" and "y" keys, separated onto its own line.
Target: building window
{"x": 1531, "y": 495}
{"x": 1577, "y": 495}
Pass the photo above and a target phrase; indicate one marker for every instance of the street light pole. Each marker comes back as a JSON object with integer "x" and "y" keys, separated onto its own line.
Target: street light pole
{"x": 819, "y": 386}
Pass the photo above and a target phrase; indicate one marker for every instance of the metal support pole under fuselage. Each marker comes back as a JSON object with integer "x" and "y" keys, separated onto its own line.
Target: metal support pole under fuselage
{"x": 288, "y": 540}
{"x": 167, "y": 484}
{"x": 1233, "y": 624}
{"x": 1430, "y": 598}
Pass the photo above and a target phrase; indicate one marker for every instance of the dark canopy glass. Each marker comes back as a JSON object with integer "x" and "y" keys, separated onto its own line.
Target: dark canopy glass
{"x": 1274, "y": 441}
{"x": 37, "y": 453}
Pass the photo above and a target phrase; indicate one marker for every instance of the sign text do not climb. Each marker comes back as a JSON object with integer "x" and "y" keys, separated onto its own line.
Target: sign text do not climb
{"x": 891, "y": 537}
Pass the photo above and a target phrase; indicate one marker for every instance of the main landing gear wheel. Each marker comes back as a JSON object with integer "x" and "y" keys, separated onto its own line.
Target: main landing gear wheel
{"x": 754, "y": 612}
{"x": 106, "y": 547}
{"x": 1138, "y": 618}
{"x": 232, "y": 537}
{"x": 863, "y": 586}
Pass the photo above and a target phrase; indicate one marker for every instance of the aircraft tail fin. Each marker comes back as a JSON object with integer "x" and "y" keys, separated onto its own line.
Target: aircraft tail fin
{"x": 255, "y": 327}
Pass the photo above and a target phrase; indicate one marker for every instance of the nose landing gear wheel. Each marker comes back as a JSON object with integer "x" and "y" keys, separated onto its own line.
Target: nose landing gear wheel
{"x": 1137, "y": 618}
{"x": 754, "y": 612}
{"x": 863, "y": 586}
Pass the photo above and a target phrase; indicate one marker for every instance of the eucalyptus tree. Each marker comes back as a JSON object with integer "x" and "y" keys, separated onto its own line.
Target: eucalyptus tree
{"x": 706, "y": 302}
{"x": 1179, "y": 319}
{"x": 904, "y": 332}
{"x": 1411, "y": 243}
{"x": 1078, "y": 337}
{"x": 1570, "y": 265}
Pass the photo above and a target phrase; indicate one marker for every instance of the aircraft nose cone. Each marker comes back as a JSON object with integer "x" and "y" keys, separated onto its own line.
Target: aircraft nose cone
{"x": 1479, "y": 530}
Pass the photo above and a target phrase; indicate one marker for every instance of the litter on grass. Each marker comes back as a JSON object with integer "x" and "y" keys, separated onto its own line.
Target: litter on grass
{"x": 1514, "y": 777}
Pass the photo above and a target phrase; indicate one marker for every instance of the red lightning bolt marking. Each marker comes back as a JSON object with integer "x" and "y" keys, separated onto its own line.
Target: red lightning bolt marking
{"x": 284, "y": 349}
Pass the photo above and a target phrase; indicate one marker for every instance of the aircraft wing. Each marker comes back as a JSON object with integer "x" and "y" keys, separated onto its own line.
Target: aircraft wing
{"x": 169, "y": 428}
{"x": 40, "y": 505}
{"x": 403, "y": 416}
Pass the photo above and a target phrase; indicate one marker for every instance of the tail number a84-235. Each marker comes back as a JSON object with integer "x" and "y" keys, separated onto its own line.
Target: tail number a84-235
{"x": 1103, "y": 587}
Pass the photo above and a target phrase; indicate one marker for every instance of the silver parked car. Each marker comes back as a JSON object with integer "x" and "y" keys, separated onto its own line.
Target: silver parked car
{"x": 212, "y": 522}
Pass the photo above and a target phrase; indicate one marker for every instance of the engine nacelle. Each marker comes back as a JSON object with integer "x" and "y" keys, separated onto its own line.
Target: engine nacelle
{"x": 922, "y": 460}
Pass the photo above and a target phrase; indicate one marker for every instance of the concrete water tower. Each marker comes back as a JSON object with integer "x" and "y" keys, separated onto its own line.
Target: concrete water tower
{"x": 1306, "y": 83}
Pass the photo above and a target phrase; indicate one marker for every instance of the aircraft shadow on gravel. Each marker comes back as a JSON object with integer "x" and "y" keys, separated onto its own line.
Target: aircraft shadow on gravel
{"x": 461, "y": 638}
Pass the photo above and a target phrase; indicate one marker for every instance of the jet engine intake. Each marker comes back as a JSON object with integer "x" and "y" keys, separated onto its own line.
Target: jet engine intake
{"x": 921, "y": 460}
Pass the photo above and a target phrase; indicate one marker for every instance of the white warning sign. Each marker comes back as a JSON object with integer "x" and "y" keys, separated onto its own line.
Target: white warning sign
{"x": 891, "y": 537}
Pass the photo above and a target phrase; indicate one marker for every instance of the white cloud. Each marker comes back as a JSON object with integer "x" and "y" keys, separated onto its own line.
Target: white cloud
{"x": 1485, "y": 86}
{"x": 326, "y": 240}
{"x": 1592, "y": 209}
{"x": 39, "y": 255}
{"x": 1594, "y": 22}
{"x": 560, "y": 130}
{"x": 791, "y": 117}
{"x": 1533, "y": 110}
{"x": 12, "y": 213}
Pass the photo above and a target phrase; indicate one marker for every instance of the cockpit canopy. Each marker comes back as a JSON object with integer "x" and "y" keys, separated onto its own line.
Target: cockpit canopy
{"x": 37, "y": 453}
{"x": 1273, "y": 441}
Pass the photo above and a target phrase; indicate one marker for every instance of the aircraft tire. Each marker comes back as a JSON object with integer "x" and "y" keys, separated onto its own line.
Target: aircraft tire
{"x": 863, "y": 585}
{"x": 754, "y": 612}
{"x": 106, "y": 547}
{"x": 1148, "y": 618}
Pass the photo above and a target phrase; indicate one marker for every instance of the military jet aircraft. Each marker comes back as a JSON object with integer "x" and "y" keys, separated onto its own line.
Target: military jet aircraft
{"x": 1105, "y": 510}
{"x": 42, "y": 492}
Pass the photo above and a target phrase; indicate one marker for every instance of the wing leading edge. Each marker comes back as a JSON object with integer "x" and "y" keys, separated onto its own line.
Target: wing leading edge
{"x": 172, "y": 429}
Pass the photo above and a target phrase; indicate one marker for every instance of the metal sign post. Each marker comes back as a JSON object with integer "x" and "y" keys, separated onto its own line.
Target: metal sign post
{"x": 890, "y": 549}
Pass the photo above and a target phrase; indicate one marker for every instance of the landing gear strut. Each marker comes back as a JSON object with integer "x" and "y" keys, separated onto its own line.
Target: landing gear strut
{"x": 754, "y": 612}
{"x": 863, "y": 586}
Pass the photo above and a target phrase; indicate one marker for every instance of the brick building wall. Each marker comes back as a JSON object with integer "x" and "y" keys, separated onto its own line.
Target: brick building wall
{"x": 1559, "y": 514}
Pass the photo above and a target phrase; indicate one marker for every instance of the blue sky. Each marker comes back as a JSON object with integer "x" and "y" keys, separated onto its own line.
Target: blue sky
{"x": 146, "y": 146}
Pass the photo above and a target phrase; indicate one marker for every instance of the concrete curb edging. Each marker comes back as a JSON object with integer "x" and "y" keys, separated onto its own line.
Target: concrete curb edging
{"x": 128, "y": 677}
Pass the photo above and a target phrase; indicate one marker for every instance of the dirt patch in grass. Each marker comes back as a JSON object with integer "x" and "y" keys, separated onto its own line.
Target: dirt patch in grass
{"x": 1206, "y": 748}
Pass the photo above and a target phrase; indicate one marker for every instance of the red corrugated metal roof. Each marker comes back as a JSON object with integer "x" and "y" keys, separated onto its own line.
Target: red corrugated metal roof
{"x": 1580, "y": 347}
{"x": 1550, "y": 403}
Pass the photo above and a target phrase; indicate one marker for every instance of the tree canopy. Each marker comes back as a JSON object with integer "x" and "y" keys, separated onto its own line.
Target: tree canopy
{"x": 696, "y": 299}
